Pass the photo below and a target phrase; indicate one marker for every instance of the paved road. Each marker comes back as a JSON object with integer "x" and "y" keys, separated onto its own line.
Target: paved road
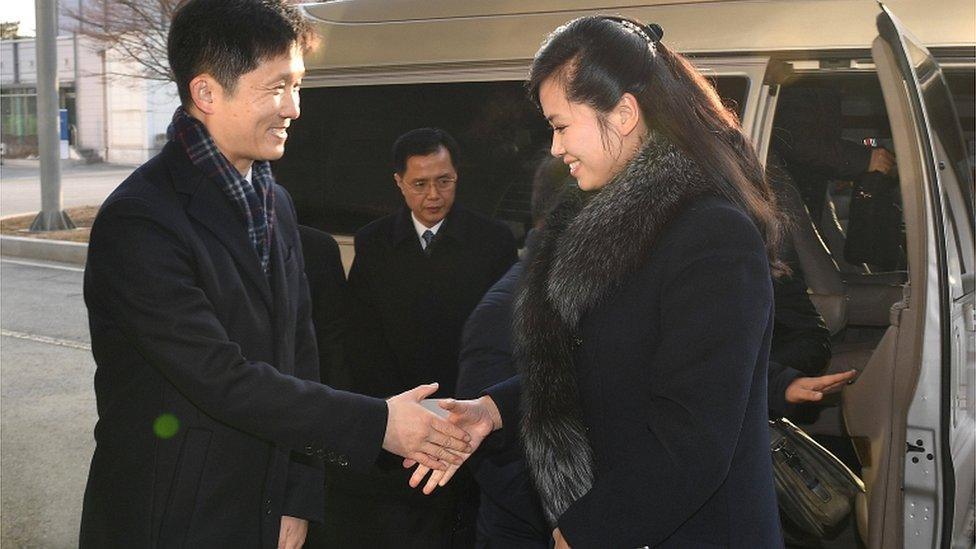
{"x": 47, "y": 403}
{"x": 81, "y": 184}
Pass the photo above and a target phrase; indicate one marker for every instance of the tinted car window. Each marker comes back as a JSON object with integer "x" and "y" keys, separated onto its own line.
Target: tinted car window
{"x": 338, "y": 164}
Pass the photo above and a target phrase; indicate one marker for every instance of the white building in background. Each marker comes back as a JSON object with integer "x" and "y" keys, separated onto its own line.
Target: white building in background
{"x": 119, "y": 119}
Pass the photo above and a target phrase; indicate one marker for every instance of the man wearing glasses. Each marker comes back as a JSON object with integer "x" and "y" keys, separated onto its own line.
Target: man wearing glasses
{"x": 417, "y": 275}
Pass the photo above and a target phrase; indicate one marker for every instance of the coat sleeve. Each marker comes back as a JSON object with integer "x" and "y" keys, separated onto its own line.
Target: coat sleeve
{"x": 716, "y": 302}
{"x": 508, "y": 256}
{"x": 801, "y": 340}
{"x": 142, "y": 274}
{"x": 485, "y": 357}
{"x": 507, "y": 396}
{"x": 780, "y": 377}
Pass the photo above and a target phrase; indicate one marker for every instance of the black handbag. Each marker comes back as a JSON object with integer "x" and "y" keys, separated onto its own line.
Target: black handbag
{"x": 875, "y": 229}
{"x": 814, "y": 488}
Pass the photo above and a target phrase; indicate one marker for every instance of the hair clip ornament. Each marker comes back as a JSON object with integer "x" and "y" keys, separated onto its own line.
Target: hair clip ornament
{"x": 645, "y": 33}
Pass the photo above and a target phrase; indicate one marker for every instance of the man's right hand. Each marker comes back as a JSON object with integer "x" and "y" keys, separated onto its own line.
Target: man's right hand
{"x": 416, "y": 433}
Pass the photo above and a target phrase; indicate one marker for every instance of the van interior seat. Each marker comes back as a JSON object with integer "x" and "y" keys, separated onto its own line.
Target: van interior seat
{"x": 832, "y": 295}
{"x": 827, "y": 289}
{"x": 870, "y": 294}
{"x": 843, "y": 293}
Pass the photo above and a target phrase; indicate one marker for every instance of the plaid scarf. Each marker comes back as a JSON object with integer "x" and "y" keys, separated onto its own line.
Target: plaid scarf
{"x": 255, "y": 201}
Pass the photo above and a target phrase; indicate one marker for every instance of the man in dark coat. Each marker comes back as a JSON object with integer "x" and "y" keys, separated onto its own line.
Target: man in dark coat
{"x": 327, "y": 285}
{"x": 807, "y": 136}
{"x": 416, "y": 277}
{"x": 211, "y": 426}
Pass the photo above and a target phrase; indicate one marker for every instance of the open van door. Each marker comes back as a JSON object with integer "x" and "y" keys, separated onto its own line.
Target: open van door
{"x": 919, "y": 455}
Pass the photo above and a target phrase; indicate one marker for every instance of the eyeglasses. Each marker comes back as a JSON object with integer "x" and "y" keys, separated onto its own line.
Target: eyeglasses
{"x": 423, "y": 186}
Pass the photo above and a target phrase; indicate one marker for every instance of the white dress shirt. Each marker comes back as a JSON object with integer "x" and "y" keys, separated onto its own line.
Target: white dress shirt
{"x": 421, "y": 229}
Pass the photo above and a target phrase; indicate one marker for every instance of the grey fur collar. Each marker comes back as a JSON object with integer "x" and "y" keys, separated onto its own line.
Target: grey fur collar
{"x": 590, "y": 245}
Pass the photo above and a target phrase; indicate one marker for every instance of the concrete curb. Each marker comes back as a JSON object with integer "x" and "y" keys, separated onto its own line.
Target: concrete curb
{"x": 44, "y": 250}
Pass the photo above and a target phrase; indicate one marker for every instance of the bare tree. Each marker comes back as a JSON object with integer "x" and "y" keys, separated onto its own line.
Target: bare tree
{"x": 134, "y": 29}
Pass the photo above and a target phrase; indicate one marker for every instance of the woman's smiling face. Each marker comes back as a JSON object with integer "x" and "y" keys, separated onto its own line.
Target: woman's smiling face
{"x": 578, "y": 139}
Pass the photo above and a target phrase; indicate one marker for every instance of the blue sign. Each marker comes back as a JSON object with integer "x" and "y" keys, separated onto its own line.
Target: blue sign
{"x": 63, "y": 119}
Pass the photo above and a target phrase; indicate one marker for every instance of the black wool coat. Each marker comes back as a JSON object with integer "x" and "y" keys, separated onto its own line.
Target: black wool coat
{"x": 405, "y": 315}
{"x": 184, "y": 324}
{"x": 327, "y": 285}
{"x": 406, "y": 310}
{"x": 643, "y": 326}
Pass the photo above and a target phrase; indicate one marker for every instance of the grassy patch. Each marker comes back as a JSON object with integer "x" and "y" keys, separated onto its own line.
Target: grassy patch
{"x": 82, "y": 216}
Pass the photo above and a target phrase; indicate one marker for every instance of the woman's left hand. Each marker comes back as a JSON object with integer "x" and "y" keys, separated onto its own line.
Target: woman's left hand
{"x": 560, "y": 540}
{"x": 478, "y": 417}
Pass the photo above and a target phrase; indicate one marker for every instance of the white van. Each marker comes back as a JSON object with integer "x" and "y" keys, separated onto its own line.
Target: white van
{"x": 386, "y": 67}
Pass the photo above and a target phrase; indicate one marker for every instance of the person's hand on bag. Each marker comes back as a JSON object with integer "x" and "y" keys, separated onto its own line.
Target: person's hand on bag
{"x": 416, "y": 433}
{"x": 479, "y": 418}
{"x": 813, "y": 389}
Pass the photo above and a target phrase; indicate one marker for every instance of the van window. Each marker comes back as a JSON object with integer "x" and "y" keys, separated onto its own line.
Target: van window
{"x": 956, "y": 173}
{"x": 962, "y": 86}
{"x": 338, "y": 166}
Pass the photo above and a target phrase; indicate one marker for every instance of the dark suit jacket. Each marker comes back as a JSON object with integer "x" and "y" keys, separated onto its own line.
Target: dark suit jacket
{"x": 671, "y": 370}
{"x": 184, "y": 322}
{"x": 327, "y": 284}
{"x": 407, "y": 310}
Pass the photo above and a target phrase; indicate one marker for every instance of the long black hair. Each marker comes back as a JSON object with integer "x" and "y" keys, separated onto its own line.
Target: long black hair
{"x": 599, "y": 58}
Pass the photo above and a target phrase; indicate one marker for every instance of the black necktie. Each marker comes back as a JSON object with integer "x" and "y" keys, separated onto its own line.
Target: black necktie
{"x": 428, "y": 237}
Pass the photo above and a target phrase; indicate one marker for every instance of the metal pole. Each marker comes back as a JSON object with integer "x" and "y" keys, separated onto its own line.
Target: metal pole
{"x": 51, "y": 217}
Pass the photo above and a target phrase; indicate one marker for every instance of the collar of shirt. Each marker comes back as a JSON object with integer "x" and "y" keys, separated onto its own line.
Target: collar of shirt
{"x": 247, "y": 176}
{"x": 420, "y": 228}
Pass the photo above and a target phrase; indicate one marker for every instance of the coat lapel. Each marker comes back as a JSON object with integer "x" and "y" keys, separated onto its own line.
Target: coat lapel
{"x": 209, "y": 206}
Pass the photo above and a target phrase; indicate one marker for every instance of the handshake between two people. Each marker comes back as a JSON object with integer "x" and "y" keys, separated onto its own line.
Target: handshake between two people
{"x": 437, "y": 435}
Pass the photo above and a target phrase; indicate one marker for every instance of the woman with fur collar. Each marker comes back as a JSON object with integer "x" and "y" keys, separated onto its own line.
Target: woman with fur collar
{"x": 643, "y": 319}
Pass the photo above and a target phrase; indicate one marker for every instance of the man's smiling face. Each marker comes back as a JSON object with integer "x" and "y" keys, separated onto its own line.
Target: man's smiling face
{"x": 251, "y": 122}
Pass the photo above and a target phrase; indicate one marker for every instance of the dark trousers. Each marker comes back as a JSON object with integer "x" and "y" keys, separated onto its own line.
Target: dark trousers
{"x": 379, "y": 509}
